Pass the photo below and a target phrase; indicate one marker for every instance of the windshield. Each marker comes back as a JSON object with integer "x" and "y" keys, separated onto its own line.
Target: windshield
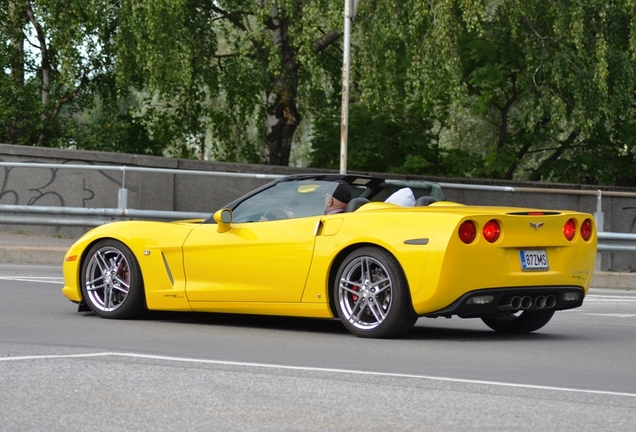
{"x": 305, "y": 197}
{"x": 285, "y": 200}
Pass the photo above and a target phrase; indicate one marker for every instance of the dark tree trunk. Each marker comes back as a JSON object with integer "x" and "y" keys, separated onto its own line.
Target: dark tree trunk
{"x": 282, "y": 113}
{"x": 282, "y": 121}
{"x": 283, "y": 117}
{"x": 45, "y": 65}
{"x": 16, "y": 64}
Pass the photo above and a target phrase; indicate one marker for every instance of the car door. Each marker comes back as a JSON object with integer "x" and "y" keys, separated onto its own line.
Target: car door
{"x": 253, "y": 262}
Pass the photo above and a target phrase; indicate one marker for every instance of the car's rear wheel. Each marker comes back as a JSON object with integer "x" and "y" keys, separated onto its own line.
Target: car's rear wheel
{"x": 111, "y": 280}
{"x": 520, "y": 322}
{"x": 372, "y": 295}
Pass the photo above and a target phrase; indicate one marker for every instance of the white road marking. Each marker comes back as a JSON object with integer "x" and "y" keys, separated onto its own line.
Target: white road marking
{"x": 329, "y": 370}
{"x": 40, "y": 279}
{"x": 613, "y": 315}
{"x": 609, "y": 299}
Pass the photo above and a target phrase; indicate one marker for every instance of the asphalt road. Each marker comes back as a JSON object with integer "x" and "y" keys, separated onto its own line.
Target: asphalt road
{"x": 64, "y": 370}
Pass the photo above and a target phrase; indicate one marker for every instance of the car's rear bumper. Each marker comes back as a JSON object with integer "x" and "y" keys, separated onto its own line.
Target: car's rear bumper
{"x": 491, "y": 301}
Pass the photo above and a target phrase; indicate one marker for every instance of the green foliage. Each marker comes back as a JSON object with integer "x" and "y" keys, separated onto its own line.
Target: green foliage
{"x": 532, "y": 89}
{"x": 520, "y": 89}
{"x": 388, "y": 139}
{"x": 603, "y": 158}
{"x": 225, "y": 70}
{"x": 19, "y": 119}
{"x": 112, "y": 132}
{"x": 380, "y": 140}
{"x": 53, "y": 52}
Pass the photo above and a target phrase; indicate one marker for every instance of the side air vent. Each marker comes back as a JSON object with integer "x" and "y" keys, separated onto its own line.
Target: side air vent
{"x": 165, "y": 262}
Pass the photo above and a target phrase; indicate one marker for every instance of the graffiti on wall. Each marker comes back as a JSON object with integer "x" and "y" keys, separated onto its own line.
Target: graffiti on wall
{"x": 633, "y": 225}
{"x": 52, "y": 186}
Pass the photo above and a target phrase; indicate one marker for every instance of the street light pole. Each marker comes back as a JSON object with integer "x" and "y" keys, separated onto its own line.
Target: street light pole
{"x": 349, "y": 12}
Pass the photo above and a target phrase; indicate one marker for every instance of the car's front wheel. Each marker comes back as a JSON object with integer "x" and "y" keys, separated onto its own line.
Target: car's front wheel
{"x": 520, "y": 322}
{"x": 111, "y": 280}
{"x": 372, "y": 295}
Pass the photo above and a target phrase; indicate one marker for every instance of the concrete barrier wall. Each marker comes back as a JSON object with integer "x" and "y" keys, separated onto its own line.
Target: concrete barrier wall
{"x": 175, "y": 192}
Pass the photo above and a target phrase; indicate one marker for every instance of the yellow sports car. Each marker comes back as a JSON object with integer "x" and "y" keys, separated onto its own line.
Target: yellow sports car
{"x": 375, "y": 253}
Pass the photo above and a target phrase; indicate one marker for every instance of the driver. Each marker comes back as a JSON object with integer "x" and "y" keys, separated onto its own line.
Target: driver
{"x": 338, "y": 199}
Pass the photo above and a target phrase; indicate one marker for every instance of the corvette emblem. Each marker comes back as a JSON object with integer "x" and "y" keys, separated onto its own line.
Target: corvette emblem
{"x": 536, "y": 226}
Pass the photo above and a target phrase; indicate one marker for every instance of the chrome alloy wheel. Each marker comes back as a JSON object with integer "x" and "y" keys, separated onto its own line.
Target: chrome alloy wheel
{"x": 107, "y": 278}
{"x": 365, "y": 293}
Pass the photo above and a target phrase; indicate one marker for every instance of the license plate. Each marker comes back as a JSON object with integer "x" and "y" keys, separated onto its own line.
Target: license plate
{"x": 533, "y": 260}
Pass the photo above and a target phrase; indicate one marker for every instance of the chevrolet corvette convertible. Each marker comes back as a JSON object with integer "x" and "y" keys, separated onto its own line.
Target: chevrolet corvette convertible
{"x": 377, "y": 266}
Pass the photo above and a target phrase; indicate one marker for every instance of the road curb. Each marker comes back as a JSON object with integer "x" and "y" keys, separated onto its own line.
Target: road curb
{"x": 33, "y": 249}
{"x": 614, "y": 280}
{"x": 32, "y": 255}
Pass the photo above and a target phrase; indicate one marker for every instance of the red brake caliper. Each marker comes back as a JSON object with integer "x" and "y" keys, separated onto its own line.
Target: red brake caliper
{"x": 125, "y": 274}
{"x": 353, "y": 296}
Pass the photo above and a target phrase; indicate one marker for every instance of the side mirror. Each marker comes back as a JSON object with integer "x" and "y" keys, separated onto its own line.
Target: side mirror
{"x": 223, "y": 218}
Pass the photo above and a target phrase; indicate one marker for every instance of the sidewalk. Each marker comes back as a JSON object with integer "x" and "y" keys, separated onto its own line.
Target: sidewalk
{"x": 33, "y": 249}
{"x": 39, "y": 249}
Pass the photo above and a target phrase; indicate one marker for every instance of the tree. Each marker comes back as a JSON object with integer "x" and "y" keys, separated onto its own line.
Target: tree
{"x": 565, "y": 79}
{"x": 400, "y": 102}
{"x": 555, "y": 81}
{"x": 67, "y": 50}
{"x": 231, "y": 66}
{"x": 16, "y": 92}
{"x": 533, "y": 89}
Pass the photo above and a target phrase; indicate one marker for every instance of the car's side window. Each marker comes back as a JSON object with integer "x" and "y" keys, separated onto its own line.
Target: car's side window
{"x": 285, "y": 200}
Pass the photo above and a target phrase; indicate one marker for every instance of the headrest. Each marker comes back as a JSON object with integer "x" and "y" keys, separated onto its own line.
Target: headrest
{"x": 424, "y": 201}
{"x": 355, "y": 204}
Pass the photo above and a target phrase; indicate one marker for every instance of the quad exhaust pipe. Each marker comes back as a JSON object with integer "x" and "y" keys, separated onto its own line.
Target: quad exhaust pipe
{"x": 550, "y": 302}
{"x": 518, "y": 303}
{"x": 539, "y": 302}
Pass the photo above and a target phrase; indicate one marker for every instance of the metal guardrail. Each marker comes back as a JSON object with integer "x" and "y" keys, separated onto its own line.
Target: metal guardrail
{"x": 85, "y": 217}
{"x": 616, "y": 242}
{"x": 90, "y": 217}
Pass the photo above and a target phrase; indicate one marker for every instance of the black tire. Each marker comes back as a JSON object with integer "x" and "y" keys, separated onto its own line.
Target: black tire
{"x": 111, "y": 281}
{"x": 372, "y": 296}
{"x": 523, "y": 322}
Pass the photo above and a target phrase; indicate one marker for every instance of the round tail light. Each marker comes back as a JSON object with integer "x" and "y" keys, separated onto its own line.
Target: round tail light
{"x": 467, "y": 232}
{"x": 586, "y": 229}
{"x": 569, "y": 229}
{"x": 491, "y": 231}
